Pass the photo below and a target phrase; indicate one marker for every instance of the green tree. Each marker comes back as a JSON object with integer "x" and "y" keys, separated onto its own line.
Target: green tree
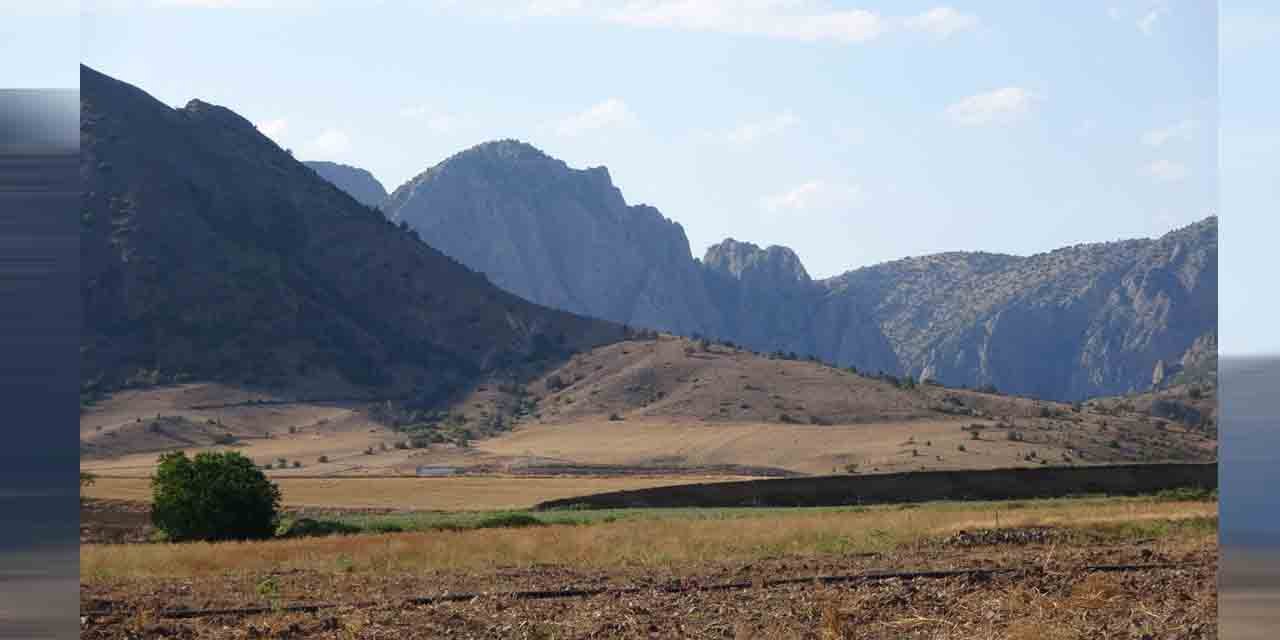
{"x": 213, "y": 496}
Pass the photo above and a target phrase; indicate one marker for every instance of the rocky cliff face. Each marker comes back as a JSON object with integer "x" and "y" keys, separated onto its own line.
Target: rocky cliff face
{"x": 357, "y": 182}
{"x": 208, "y": 252}
{"x": 557, "y": 236}
{"x": 1076, "y": 322}
{"x": 1080, "y": 321}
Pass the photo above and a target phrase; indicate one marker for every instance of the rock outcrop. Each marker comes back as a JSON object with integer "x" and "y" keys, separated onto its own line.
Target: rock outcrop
{"x": 557, "y": 236}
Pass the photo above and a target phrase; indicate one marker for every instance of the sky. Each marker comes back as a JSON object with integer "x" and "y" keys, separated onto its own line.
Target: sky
{"x": 853, "y": 133}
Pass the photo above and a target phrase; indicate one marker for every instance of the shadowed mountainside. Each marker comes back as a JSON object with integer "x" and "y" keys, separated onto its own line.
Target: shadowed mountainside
{"x": 208, "y": 252}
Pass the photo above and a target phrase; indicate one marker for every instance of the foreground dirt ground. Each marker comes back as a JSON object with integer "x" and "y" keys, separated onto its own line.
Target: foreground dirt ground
{"x": 1168, "y": 592}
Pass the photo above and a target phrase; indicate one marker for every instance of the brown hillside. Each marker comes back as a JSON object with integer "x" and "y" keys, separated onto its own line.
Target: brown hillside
{"x": 671, "y": 377}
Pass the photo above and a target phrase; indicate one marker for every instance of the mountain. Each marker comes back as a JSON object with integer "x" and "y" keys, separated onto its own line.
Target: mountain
{"x": 557, "y": 236}
{"x": 1094, "y": 319}
{"x": 1082, "y": 321}
{"x": 208, "y": 252}
{"x": 357, "y": 182}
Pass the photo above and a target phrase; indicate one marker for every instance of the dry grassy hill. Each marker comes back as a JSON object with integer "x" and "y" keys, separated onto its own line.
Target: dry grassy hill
{"x": 657, "y": 406}
{"x": 681, "y": 379}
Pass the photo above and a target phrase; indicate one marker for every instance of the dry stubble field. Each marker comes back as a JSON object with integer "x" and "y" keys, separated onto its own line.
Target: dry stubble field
{"x": 703, "y": 575}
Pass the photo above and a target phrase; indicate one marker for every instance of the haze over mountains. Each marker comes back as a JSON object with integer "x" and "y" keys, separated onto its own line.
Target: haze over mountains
{"x": 208, "y": 252}
{"x": 1096, "y": 319}
{"x": 359, "y": 183}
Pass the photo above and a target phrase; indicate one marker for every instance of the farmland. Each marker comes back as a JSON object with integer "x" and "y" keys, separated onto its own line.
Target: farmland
{"x": 693, "y": 573}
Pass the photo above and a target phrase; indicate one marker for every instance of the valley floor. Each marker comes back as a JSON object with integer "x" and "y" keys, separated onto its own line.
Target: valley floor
{"x": 1076, "y": 568}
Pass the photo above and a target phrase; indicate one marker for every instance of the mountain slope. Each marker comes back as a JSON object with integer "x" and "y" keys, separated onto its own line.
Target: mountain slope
{"x": 1081, "y": 321}
{"x": 208, "y": 252}
{"x": 357, "y": 182}
{"x": 557, "y": 236}
{"x": 1096, "y": 319}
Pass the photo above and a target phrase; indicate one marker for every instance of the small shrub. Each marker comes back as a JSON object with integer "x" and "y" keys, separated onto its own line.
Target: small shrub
{"x": 509, "y": 520}
{"x": 960, "y": 448}
{"x": 297, "y": 464}
{"x": 322, "y": 459}
{"x": 614, "y": 417}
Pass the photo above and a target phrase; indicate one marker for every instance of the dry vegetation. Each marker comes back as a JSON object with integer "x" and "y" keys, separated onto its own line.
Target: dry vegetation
{"x": 669, "y": 559}
{"x": 639, "y": 542}
{"x": 474, "y": 493}
{"x": 657, "y": 406}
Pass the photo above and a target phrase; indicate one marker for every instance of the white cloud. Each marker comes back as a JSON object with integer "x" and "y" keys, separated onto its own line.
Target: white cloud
{"x": 815, "y": 195}
{"x": 608, "y": 113}
{"x": 754, "y": 131}
{"x": 1085, "y": 128}
{"x": 274, "y": 128}
{"x": 781, "y": 19}
{"x": 554, "y": 7}
{"x": 1114, "y": 13}
{"x": 1147, "y": 23}
{"x": 803, "y": 20}
{"x": 329, "y": 143}
{"x": 435, "y": 121}
{"x": 1182, "y": 130}
{"x": 1165, "y": 171}
{"x": 1000, "y": 105}
{"x": 942, "y": 21}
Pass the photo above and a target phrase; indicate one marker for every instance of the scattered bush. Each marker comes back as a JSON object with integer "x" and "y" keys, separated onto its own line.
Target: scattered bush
{"x": 307, "y": 527}
{"x": 614, "y": 417}
{"x": 509, "y": 520}
{"x": 214, "y": 496}
{"x": 322, "y": 459}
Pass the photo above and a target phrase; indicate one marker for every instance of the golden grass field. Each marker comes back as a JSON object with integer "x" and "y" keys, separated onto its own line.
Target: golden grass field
{"x": 740, "y": 536}
{"x": 814, "y": 449}
{"x": 459, "y": 493}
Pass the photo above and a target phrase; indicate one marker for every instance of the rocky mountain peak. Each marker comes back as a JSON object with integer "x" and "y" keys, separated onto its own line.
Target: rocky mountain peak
{"x": 745, "y": 260}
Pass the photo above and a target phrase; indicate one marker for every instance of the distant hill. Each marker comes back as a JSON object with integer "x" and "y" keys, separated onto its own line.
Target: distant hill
{"x": 357, "y": 182}
{"x": 209, "y": 253}
{"x": 1082, "y": 321}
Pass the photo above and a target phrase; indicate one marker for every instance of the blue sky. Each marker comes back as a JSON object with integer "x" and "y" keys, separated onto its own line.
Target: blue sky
{"x": 851, "y": 132}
